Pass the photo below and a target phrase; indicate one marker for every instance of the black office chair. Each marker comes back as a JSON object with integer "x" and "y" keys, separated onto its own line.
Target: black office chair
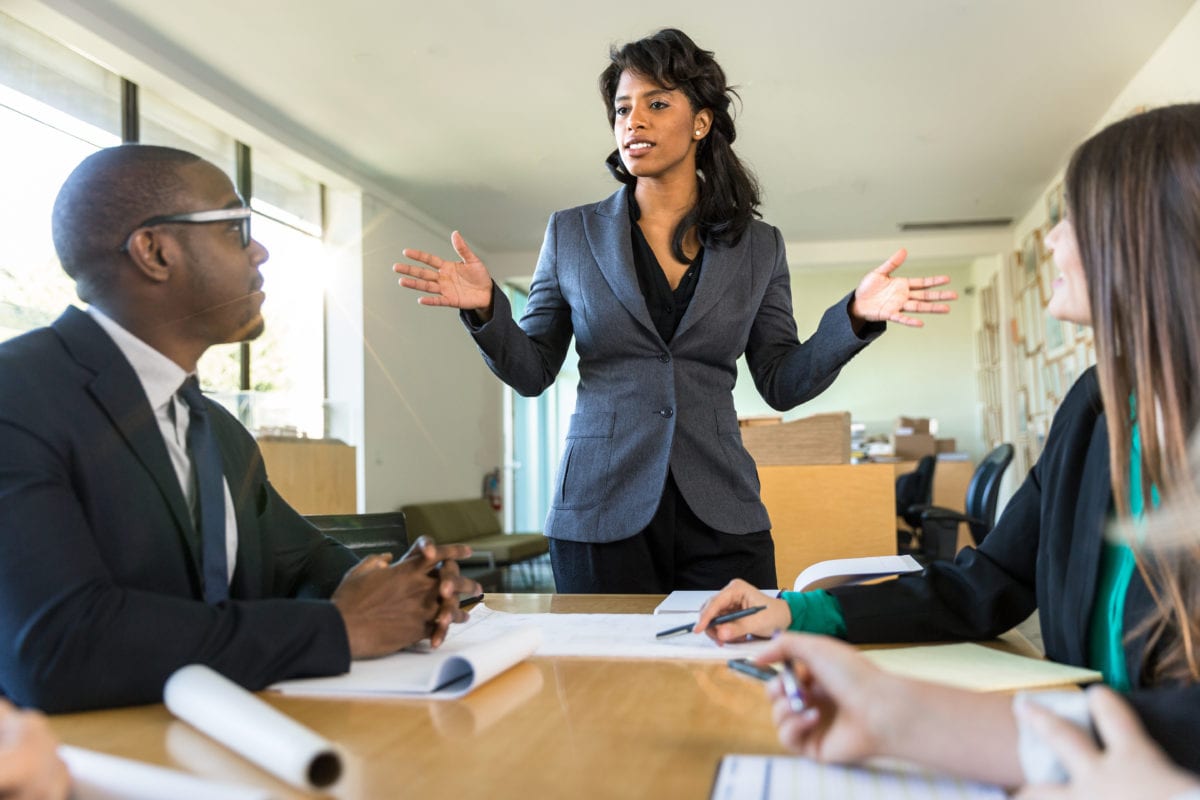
{"x": 914, "y": 493}
{"x": 366, "y": 534}
{"x": 938, "y": 527}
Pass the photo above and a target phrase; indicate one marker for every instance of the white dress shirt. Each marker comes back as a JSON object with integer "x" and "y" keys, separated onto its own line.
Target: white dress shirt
{"x": 161, "y": 378}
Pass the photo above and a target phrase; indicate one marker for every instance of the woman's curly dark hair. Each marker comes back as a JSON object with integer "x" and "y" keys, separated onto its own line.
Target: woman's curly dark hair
{"x": 729, "y": 193}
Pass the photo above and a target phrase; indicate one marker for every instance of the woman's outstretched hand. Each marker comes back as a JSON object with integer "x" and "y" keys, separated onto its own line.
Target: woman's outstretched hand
{"x": 880, "y": 297}
{"x": 464, "y": 284}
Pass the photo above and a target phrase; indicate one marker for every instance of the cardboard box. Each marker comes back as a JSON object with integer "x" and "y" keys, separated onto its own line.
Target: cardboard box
{"x": 913, "y": 424}
{"x": 750, "y": 422}
{"x": 912, "y": 446}
{"x": 819, "y": 439}
{"x": 947, "y": 445}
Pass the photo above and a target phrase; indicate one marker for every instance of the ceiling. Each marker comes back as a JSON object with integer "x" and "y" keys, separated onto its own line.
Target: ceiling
{"x": 857, "y": 115}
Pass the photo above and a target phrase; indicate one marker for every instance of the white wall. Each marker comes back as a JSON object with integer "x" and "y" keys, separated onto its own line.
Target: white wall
{"x": 431, "y": 408}
{"x": 916, "y": 372}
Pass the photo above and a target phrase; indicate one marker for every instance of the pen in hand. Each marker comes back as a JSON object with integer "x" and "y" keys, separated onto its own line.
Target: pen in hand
{"x": 791, "y": 688}
{"x": 467, "y": 602}
{"x": 745, "y": 612}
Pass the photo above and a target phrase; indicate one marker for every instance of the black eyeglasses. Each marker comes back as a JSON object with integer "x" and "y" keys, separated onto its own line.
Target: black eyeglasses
{"x": 240, "y": 215}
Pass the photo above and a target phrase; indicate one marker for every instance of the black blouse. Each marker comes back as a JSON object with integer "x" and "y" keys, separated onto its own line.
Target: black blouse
{"x": 666, "y": 306}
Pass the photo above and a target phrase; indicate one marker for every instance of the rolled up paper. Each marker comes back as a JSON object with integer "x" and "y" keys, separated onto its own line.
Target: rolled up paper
{"x": 251, "y": 728}
{"x": 98, "y": 776}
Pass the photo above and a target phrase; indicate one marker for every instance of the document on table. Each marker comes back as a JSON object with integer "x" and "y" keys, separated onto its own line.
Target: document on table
{"x": 967, "y": 665}
{"x": 744, "y": 777}
{"x": 455, "y": 668}
{"x": 98, "y": 776}
{"x": 689, "y": 601}
{"x": 601, "y": 636}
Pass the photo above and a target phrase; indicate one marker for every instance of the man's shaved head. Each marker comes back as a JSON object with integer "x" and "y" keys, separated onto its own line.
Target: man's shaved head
{"x": 103, "y": 199}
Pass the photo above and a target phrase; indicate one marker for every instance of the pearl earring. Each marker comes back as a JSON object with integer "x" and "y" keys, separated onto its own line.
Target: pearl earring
{"x": 698, "y": 132}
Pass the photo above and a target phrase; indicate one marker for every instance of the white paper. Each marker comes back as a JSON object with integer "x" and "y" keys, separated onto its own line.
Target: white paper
{"x": 682, "y": 601}
{"x": 744, "y": 777}
{"x": 601, "y": 636}
{"x": 253, "y": 729}
{"x": 97, "y": 776}
{"x": 449, "y": 672}
{"x": 689, "y": 601}
{"x": 839, "y": 571}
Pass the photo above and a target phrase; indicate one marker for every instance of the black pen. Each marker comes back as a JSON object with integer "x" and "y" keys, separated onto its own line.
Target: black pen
{"x": 745, "y": 612}
{"x": 467, "y": 602}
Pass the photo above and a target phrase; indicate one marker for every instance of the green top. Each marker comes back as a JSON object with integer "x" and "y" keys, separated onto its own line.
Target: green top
{"x": 816, "y": 612}
{"x": 1106, "y": 629}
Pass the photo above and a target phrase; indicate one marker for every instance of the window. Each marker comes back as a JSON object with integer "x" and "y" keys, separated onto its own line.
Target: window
{"x": 55, "y": 108}
{"x": 535, "y": 437}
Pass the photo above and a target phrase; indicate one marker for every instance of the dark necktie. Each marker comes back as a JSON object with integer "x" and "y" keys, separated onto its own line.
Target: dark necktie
{"x": 210, "y": 486}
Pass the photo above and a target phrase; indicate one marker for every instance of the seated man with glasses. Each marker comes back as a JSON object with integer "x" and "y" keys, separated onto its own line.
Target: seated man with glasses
{"x": 138, "y": 530}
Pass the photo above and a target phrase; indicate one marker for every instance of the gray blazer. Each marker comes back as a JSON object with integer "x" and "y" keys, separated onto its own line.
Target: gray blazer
{"x": 645, "y": 406}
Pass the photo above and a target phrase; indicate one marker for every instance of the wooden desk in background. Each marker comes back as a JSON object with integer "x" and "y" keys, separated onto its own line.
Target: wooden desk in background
{"x": 549, "y": 727}
{"x": 824, "y": 511}
{"x": 315, "y": 476}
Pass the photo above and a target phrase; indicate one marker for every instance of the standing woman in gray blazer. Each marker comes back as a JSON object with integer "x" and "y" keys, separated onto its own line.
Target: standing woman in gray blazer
{"x": 663, "y": 286}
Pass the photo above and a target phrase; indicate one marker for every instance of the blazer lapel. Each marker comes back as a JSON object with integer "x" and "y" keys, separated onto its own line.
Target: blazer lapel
{"x": 118, "y": 391}
{"x": 720, "y": 266}
{"x": 607, "y": 231}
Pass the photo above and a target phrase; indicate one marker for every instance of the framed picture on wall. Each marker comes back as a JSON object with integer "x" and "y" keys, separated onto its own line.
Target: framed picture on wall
{"x": 1030, "y": 249}
{"x": 1016, "y": 274}
{"x": 1054, "y": 205}
{"x": 1058, "y": 338}
{"x": 1046, "y": 273}
{"x": 1031, "y": 304}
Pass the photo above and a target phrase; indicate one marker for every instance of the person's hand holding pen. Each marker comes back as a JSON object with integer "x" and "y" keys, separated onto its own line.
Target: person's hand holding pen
{"x": 736, "y": 596}
{"x": 842, "y": 707}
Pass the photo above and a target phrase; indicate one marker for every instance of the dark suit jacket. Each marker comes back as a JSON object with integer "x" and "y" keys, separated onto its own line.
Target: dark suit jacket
{"x": 1043, "y": 555}
{"x": 645, "y": 406}
{"x": 100, "y": 592}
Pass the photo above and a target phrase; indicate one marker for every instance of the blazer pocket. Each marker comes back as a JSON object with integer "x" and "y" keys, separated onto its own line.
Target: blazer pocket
{"x": 583, "y": 471}
{"x": 743, "y": 472}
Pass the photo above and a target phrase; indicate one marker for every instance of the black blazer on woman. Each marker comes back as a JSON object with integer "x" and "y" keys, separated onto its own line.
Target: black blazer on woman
{"x": 1043, "y": 555}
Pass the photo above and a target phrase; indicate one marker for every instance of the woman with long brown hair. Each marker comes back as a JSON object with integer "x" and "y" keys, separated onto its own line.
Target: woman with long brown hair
{"x": 1129, "y": 259}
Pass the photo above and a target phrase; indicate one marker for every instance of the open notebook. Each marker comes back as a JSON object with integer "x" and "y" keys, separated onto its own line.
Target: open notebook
{"x": 449, "y": 672}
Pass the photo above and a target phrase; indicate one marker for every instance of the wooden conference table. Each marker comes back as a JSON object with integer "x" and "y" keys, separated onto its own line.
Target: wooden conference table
{"x": 549, "y": 727}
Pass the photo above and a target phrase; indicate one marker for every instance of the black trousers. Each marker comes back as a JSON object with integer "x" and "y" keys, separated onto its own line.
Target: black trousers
{"x": 675, "y": 551}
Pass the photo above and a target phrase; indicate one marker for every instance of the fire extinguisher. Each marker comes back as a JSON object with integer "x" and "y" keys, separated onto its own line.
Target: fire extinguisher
{"x": 491, "y": 489}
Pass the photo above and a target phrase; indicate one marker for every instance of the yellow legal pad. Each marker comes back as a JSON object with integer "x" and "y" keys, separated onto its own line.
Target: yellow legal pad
{"x": 973, "y": 666}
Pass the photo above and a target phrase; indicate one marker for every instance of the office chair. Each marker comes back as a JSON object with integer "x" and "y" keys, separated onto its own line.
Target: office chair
{"x": 914, "y": 493}
{"x": 938, "y": 527}
{"x": 365, "y": 534}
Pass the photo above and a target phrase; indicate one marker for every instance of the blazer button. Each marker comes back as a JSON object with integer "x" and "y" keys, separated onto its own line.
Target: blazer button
{"x": 667, "y": 413}
{"x": 664, "y": 358}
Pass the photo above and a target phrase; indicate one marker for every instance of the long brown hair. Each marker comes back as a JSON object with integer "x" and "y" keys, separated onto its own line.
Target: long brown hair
{"x": 1133, "y": 194}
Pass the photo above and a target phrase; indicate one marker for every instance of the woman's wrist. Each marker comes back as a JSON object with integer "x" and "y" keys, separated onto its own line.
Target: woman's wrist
{"x": 892, "y": 703}
{"x": 781, "y": 614}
